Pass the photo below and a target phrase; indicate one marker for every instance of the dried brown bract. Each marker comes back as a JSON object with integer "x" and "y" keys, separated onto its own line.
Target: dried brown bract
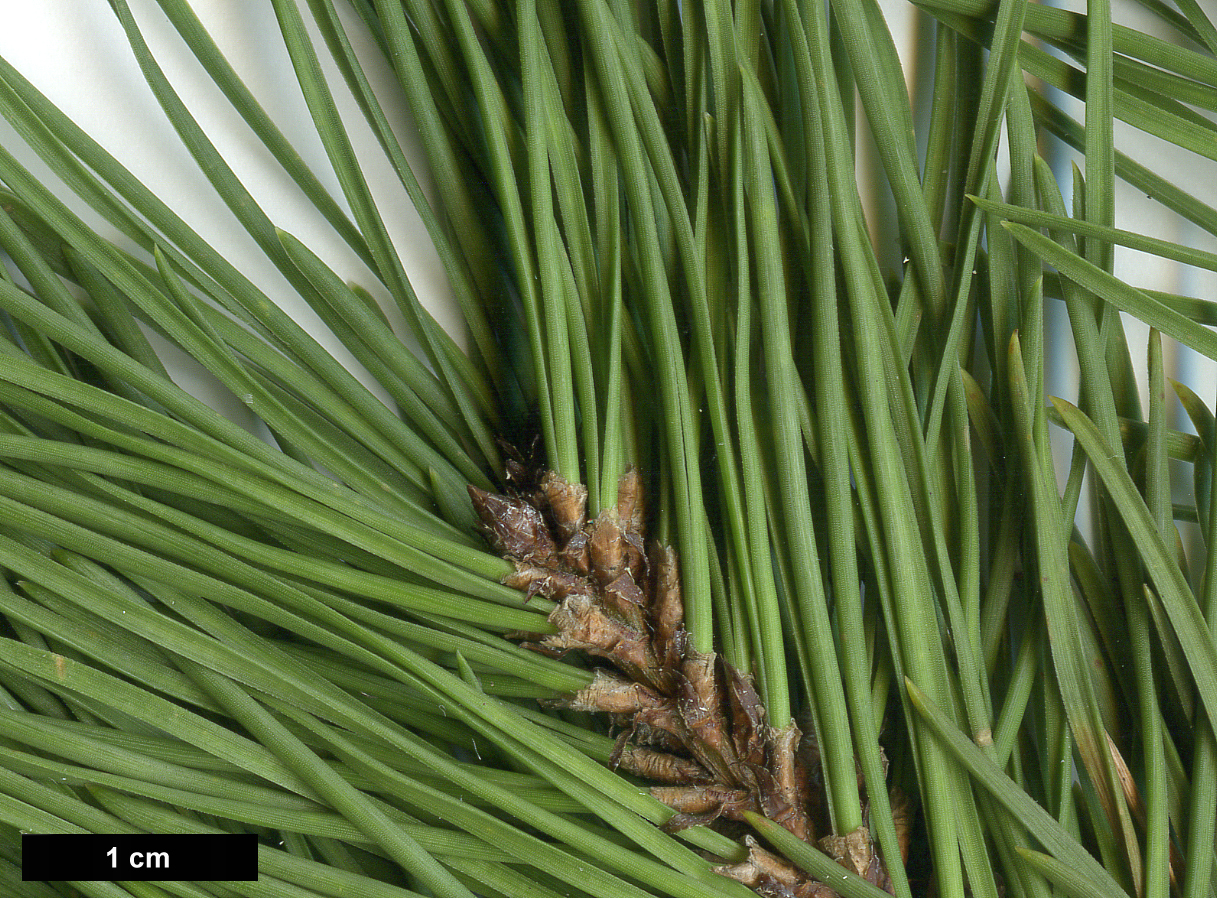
{"x": 768, "y": 875}
{"x": 611, "y": 693}
{"x": 589, "y": 626}
{"x": 513, "y": 526}
{"x": 690, "y": 723}
{"x": 703, "y": 804}
{"x": 547, "y": 582}
{"x": 790, "y": 781}
{"x": 662, "y": 767}
{"x": 607, "y": 548}
{"x": 625, "y": 598}
{"x": 631, "y": 509}
{"x": 567, "y": 503}
{"x": 667, "y": 608}
{"x": 854, "y": 851}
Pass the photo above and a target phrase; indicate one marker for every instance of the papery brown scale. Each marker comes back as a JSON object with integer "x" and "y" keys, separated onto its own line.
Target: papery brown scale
{"x": 679, "y": 822}
{"x": 772, "y": 877}
{"x": 860, "y": 849}
{"x": 625, "y": 591}
{"x": 553, "y": 584}
{"x": 610, "y": 693}
{"x": 768, "y": 887}
{"x": 516, "y": 472}
{"x": 778, "y": 807}
{"x": 529, "y": 579}
{"x": 631, "y": 510}
{"x": 883, "y": 762}
{"x": 700, "y": 704}
{"x": 607, "y": 548}
{"x": 514, "y": 527}
{"x": 623, "y": 597}
{"x": 790, "y": 777}
{"x": 771, "y": 865}
{"x": 584, "y": 625}
{"x": 575, "y": 556}
{"x": 658, "y": 728}
{"x": 747, "y": 717}
{"x": 567, "y": 503}
{"x": 876, "y": 874}
{"x": 705, "y": 799}
{"x": 636, "y": 560}
{"x": 746, "y": 871}
{"x": 687, "y": 799}
{"x": 855, "y": 851}
{"x": 661, "y": 766}
{"x": 667, "y": 605}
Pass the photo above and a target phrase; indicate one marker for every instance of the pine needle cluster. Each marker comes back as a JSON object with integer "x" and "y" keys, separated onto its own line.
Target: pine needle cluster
{"x": 718, "y": 555}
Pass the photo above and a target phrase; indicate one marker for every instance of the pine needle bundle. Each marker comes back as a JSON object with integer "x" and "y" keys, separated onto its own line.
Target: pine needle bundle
{"x": 719, "y": 552}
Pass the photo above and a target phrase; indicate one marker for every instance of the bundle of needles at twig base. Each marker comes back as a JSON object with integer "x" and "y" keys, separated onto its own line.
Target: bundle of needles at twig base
{"x": 729, "y": 543}
{"x": 691, "y": 723}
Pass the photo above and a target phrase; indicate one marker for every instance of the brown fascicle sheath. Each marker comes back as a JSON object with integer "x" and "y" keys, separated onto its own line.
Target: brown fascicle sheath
{"x": 691, "y": 724}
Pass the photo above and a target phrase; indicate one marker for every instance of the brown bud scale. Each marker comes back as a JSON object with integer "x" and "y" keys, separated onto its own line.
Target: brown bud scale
{"x": 689, "y": 723}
